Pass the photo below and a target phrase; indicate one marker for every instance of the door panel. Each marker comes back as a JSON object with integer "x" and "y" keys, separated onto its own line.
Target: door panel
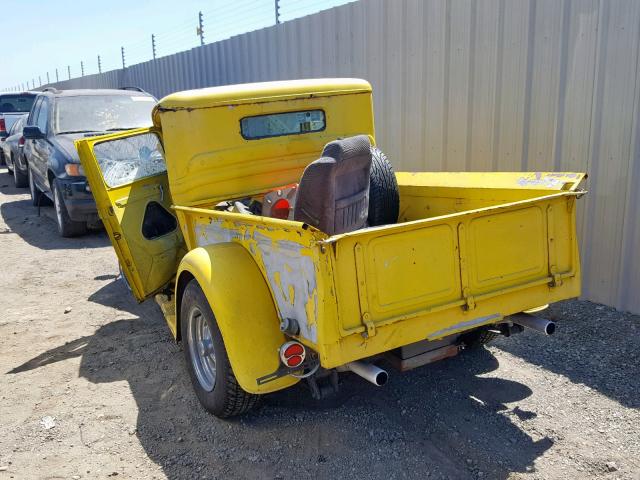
{"x": 127, "y": 176}
{"x": 41, "y": 146}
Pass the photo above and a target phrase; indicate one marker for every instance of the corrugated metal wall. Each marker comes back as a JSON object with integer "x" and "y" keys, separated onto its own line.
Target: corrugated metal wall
{"x": 471, "y": 85}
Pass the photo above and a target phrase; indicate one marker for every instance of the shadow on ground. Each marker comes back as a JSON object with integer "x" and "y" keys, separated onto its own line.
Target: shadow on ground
{"x": 7, "y": 185}
{"x": 594, "y": 345}
{"x": 444, "y": 420}
{"x": 39, "y": 230}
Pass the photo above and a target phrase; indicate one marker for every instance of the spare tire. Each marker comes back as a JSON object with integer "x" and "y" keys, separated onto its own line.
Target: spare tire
{"x": 384, "y": 198}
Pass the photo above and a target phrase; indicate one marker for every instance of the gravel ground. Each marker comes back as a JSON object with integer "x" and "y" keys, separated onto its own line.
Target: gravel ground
{"x": 108, "y": 377}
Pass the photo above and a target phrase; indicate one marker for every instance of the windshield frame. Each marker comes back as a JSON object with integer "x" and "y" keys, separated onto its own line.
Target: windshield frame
{"x": 55, "y": 123}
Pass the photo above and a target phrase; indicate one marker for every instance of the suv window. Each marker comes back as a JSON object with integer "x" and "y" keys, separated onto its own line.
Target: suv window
{"x": 17, "y": 126}
{"x": 16, "y": 103}
{"x": 31, "y": 121}
{"x": 43, "y": 115}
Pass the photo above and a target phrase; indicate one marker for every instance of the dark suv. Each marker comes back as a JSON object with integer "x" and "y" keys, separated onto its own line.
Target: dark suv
{"x": 57, "y": 119}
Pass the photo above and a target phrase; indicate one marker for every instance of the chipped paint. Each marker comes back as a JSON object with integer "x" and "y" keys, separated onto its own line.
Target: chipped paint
{"x": 288, "y": 266}
{"x": 547, "y": 182}
{"x": 291, "y": 274}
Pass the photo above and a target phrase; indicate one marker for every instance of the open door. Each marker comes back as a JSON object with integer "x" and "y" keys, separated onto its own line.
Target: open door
{"x": 127, "y": 175}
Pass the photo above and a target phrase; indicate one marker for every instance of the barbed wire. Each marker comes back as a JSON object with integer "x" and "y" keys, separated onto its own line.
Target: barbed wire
{"x": 219, "y": 23}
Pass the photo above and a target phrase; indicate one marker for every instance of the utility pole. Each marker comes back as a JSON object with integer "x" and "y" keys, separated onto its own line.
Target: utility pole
{"x": 57, "y": 79}
{"x": 277, "y": 11}
{"x": 81, "y": 68}
{"x": 200, "y": 30}
{"x": 69, "y": 71}
{"x": 124, "y": 65}
{"x": 99, "y": 65}
{"x": 153, "y": 45}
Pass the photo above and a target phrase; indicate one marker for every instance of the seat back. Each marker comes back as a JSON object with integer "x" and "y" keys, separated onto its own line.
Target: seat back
{"x": 333, "y": 194}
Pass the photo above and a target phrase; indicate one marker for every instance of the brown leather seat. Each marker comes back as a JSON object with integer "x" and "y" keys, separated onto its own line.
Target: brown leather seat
{"x": 333, "y": 194}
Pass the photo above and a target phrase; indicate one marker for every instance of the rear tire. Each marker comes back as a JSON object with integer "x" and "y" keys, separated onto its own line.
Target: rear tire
{"x": 384, "y": 197}
{"x": 66, "y": 226}
{"x": 19, "y": 178}
{"x": 211, "y": 374}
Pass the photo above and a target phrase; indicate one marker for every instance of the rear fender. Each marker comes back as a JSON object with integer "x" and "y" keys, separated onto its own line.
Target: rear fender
{"x": 244, "y": 309}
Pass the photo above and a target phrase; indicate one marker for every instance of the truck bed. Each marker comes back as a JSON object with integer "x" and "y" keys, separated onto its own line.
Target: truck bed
{"x": 468, "y": 250}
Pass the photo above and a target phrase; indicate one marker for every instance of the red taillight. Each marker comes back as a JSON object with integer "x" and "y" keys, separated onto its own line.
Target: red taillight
{"x": 21, "y": 141}
{"x": 3, "y": 126}
{"x": 292, "y": 354}
{"x": 293, "y": 349}
{"x": 294, "y": 361}
{"x": 281, "y": 209}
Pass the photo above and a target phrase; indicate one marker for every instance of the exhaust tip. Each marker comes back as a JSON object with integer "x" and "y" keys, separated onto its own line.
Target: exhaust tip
{"x": 550, "y": 328}
{"x": 381, "y": 378}
{"x": 369, "y": 372}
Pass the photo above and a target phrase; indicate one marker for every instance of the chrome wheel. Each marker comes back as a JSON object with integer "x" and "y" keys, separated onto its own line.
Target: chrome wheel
{"x": 201, "y": 349}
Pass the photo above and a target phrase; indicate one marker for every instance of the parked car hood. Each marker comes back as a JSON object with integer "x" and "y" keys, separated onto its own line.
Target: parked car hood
{"x": 66, "y": 144}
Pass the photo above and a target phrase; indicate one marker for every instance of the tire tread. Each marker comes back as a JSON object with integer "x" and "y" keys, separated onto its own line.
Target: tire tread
{"x": 235, "y": 400}
{"x": 384, "y": 199}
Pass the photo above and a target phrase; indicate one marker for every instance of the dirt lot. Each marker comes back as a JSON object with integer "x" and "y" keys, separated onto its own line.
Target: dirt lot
{"x": 109, "y": 378}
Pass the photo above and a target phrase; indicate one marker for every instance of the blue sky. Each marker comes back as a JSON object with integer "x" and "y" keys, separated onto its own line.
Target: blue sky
{"x": 46, "y": 35}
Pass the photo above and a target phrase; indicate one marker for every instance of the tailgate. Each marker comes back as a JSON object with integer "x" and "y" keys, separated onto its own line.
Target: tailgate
{"x": 450, "y": 273}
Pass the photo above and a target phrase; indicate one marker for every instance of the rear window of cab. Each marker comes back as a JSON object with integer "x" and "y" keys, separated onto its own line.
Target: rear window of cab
{"x": 284, "y": 123}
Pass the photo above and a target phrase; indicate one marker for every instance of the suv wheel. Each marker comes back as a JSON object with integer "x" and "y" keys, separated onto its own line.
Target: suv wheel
{"x": 211, "y": 375}
{"x": 66, "y": 226}
{"x": 33, "y": 190}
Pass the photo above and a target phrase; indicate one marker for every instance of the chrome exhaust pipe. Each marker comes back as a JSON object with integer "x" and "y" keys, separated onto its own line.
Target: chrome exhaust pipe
{"x": 539, "y": 324}
{"x": 369, "y": 372}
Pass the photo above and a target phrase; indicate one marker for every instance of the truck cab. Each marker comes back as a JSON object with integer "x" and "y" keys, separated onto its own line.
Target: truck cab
{"x": 281, "y": 246}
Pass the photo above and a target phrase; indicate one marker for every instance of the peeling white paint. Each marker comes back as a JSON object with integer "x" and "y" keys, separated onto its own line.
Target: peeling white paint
{"x": 292, "y": 278}
{"x": 543, "y": 182}
{"x": 291, "y": 274}
{"x": 214, "y": 232}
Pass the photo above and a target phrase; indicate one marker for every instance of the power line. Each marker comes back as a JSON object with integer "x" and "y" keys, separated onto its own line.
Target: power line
{"x": 225, "y": 21}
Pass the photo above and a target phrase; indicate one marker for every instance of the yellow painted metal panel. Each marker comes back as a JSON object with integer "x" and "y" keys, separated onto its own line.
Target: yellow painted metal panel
{"x": 507, "y": 246}
{"x": 394, "y": 259}
{"x": 203, "y": 163}
{"x": 149, "y": 264}
{"x": 243, "y": 93}
{"x": 487, "y": 254}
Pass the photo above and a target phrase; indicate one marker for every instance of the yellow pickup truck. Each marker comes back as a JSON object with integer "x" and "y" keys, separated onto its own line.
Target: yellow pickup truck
{"x": 280, "y": 245}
